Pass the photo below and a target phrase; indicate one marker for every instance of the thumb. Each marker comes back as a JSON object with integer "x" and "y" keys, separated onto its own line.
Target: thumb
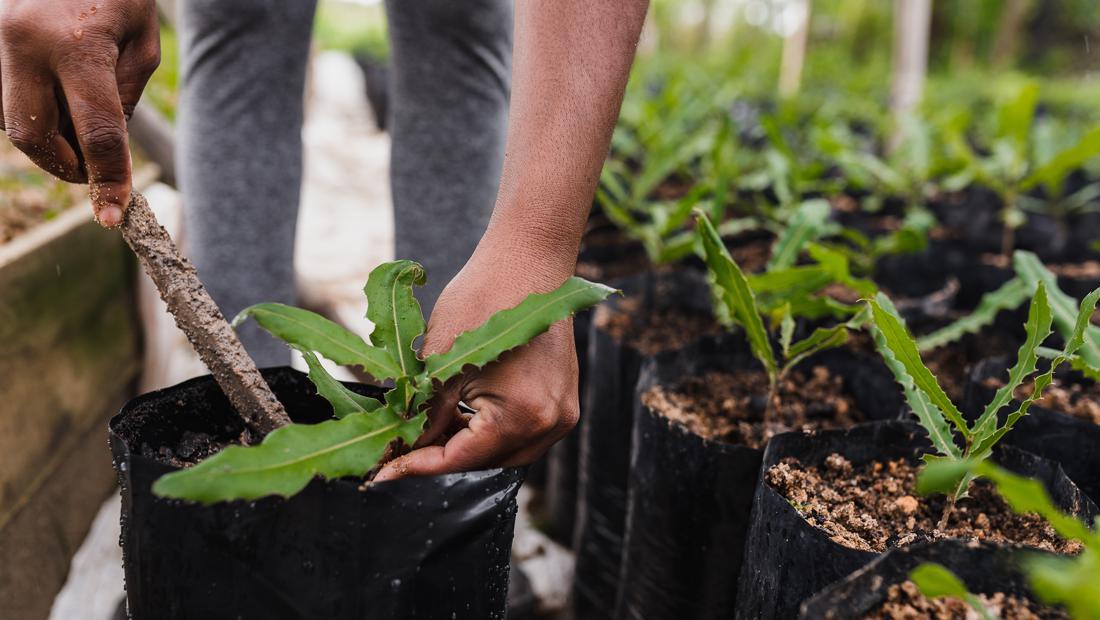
{"x": 96, "y": 111}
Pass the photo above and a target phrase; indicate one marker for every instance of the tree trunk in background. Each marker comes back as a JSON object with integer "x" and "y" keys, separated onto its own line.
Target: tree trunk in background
{"x": 794, "y": 53}
{"x": 1007, "y": 40}
{"x": 912, "y": 22}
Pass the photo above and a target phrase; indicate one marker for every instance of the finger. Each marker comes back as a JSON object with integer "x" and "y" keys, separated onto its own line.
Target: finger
{"x": 481, "y": 445}
{"x": 31, "y": 120}
{"x": 137, "y": 62}
{"x": 96, "y": 110}
{"x": 441, "y": 416}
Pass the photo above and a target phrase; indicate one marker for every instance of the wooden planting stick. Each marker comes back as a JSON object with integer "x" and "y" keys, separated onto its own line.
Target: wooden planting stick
{"x": 199, "y": 318}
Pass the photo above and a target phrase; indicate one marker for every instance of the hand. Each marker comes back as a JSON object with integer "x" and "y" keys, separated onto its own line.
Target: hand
{"x": 71, "y": 72}
{"x": 525, "y": 402}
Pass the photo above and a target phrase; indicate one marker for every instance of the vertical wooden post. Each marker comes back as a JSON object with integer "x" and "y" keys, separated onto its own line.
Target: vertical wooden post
{"x": 794, "y": 53}
{"x": 912, "y": 23}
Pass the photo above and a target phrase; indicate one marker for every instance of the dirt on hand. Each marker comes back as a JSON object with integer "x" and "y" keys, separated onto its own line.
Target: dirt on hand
{"x": 875, "y": 506}
{"x": 730, "y": 407}
{"x": 905, "y": 602}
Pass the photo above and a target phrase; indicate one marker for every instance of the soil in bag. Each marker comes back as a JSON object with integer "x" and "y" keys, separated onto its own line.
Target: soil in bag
{"x": 882, "y": 590}
{"x": 659, "y": 311}
{"x": 698, "y": 442}
{"x": 433, "y": 547}
{"x": 1063, "y": 426}
{"x": 830, "y": 502}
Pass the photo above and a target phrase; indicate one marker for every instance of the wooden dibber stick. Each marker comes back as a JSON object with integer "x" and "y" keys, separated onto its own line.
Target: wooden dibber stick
{"x": 196, "y": 314}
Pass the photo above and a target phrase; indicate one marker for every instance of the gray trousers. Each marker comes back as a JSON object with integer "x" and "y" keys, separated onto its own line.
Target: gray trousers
{"x": 240, "y": 144}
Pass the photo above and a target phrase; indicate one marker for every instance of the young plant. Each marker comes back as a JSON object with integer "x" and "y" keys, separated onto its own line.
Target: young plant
{"x": 356, "y": 439}
{"x": 1019, "y": 161}
{"x": 1072, "y": 582}
{"x": 1030, "y": 271}
{"x": 935, "y": 411}
{"x": 736, "y": 303}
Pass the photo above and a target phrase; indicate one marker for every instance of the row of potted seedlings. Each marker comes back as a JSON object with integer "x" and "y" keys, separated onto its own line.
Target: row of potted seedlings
{"x": 775, "y": 441}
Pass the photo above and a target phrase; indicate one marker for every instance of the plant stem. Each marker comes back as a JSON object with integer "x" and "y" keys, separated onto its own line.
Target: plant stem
{"x": 773, "y": 396}
{"x": 1008, "y": 229}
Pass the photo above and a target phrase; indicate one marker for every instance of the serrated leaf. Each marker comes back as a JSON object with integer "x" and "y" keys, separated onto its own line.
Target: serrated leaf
{"x": 900, "y": 354}
{"x": 819, "y": 340}
{"x": 806, "y": 224}
{"x": 1073, "y": 343}
{"x": 1031, "y": 269}
{"x": 731, "y": 287}
{"x": 291, "y": 456}
{"x": 514, "y": 327}
{"x": 344, "y": 401}
{"x": 1037, "y": 329}
{"x": 1009, "y": 296}
{"x": 397, "y": 318}
{"x": 310, "y": 331}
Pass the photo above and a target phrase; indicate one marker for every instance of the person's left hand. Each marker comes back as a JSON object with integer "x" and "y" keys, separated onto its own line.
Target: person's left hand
{"x": 525, "y": 402}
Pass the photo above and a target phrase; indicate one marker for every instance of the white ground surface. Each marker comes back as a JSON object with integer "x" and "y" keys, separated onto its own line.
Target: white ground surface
{"x": 345, "y": 228}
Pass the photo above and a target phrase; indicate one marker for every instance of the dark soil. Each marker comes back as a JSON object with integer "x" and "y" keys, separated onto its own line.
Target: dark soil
{"x": 905, "y": 602}
{"x": 657, "y": 330}
{"x": 875, "y": 506}
{"x": 730, "y": 407}
{"x": 751, "y": 254}
{"x": 951, "y": 367}
{"x": 1089, "y": 269}
{"x": 192, "y": 449}
{"x": 1080, "y": 400}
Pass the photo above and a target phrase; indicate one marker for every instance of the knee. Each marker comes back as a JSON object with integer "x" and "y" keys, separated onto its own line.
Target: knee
{"x": 240, "y": 16}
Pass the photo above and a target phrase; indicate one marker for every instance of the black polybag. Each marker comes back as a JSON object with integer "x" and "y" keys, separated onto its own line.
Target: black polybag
{"x": 433, "y": 547}
{"x": 985, "y": 568}
{"x": 690, "y": 498}
{"x": 1071, "y": 442}
{"x": 787, "y": 560}
{"x": 606, "y": 426}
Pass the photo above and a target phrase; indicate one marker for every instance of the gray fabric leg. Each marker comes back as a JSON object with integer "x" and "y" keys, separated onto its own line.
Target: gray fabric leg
{"x": 452, "y": 75}
{"x": 240, "y": 150}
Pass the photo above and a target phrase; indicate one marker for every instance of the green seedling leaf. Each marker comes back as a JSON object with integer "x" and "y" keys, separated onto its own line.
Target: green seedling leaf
{"x": 935, "y": 580}
{"x": 1009, "y": 296}
{"x": 905, "y": 361}
{"x": 310, "y": 331}
{"x": 818, "y": 341}
{"x": 805, "y": 225}
{"x": 344, "y": 401}
{"x": 1031, "y": 269}
{"x": 1069, "y": 582}
{"x": 1075, "y": 340}
{"x": 508, "y": 329}
{"x": 1053, "y": 173}
{"x": 1037, "y": 329}
{"x": 395, "y": 312}
{"x": 786, "y": 329}
{"x": 732, "y": 290}
{"x": 291, "y": 456}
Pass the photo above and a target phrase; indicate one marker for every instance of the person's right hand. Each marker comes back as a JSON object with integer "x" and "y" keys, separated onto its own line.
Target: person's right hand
{"x": 71, "y": 72}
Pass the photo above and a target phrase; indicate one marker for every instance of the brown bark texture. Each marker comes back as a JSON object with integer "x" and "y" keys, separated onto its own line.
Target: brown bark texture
{"x": 201, "y": 320}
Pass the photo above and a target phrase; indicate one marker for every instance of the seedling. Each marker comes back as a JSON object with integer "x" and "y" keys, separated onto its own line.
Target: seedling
{"x": 1030, "y": 271}
{"x": 736, "y": 303}
{"x": 935, "y": 411}
{"x": 355, "y": 441}
{"x": 1067, "y": 581}
{"x": 1020, "y": 160}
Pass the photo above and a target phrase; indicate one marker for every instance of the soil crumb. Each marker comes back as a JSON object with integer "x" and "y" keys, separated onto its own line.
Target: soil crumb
{"x": 905, "y": 602}
{"x": 730, "y": 407}
{"x": 1080, "y": 400}
{"x": 652, "y": 331}
{"x": 875, "y": 506}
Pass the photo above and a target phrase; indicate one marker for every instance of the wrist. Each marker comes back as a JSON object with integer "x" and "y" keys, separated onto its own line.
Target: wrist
{"x": 536, "y": 252}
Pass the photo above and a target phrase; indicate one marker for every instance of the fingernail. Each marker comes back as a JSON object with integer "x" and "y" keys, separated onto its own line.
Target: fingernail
{"x": 110, "y": 216}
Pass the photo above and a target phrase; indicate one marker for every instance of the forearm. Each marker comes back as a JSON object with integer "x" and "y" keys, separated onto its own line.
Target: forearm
{"x": 571, "y": 62}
